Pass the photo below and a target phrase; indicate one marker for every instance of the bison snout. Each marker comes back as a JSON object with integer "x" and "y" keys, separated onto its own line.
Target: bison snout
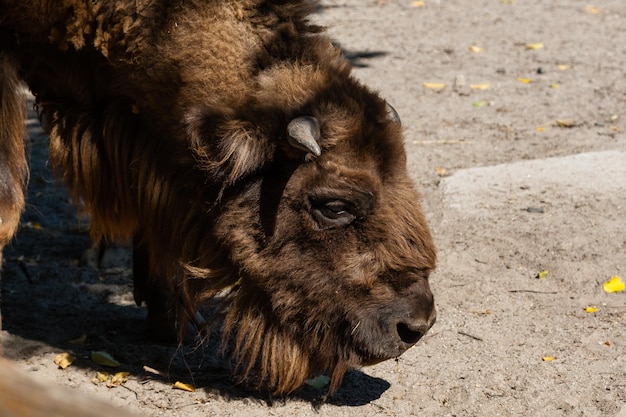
{"x": 410, "y": 332}
{"x": 390, "y": 330}
{"x": 415, "y": 313}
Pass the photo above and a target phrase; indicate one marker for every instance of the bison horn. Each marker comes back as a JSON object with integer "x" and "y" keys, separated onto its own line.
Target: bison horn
{"x": 393, "y": 114}
{"x": 303, "y": 133}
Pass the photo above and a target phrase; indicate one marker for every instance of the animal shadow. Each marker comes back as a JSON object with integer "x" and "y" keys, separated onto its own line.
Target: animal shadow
{"x": 50, "y": 304}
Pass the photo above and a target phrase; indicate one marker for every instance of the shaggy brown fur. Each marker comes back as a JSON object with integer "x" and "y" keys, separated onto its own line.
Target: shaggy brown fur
{"x": 168, "y": 119}
{"x": 13, "y": 169}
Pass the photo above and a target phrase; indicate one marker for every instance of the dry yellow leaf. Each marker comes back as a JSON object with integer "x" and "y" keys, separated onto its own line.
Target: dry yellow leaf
{"x": 104, "y": 359}
{"x": 434, "y": 86}
{"x": 534, "y": 46}
{"x": 63, "y": 360}
{"x": 482, "y": 313}
{"x": 591, "y": 309}
{"x": 480, "y": 86}
{"x": 565, "y": 123}
{"x": 548, "y": 358}
{"x": 118, "y": 379}
{"x": 615, "y": 284}
{"x": 554, "y": 86}
{"x": 100, "y": 377}
{"x": 524, "y": 80}
{"x": 476, "y": 49}
{"x": 418, "y": 4}
{"x": 542, "y": 274}
{"x": 184, "y": 387}
{"x": 540, "y": 129}
{"x": 564, "y": 67}
{"x": 441, "y": 171}
{"x": 591, "y": 9}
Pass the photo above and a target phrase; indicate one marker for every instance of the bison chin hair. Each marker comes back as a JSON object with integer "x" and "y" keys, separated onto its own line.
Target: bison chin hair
{"x": 266, "y": 353}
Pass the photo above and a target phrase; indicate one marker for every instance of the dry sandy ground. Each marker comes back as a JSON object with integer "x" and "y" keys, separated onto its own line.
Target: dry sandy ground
{"x": 518, "y": 178}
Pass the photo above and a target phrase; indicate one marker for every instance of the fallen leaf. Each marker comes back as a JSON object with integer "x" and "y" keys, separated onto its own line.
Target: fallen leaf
{"x": 615, "y": 284}
{"x": 591, "y": 9}
{"x": 479, "y": 103}
{"x": 100, "y": 377}
{"x": 476, "y": 49}
{"x": 607, "y": 343}
{"x": 565, "y": 123}
{"x": 418, "y": 4}
{"x": 480, "y": 86}
{"x": 434, "y": 86}
{"x": 591, "y": 309}
{"x": 540, "y": 129}
{"x": 564, "y": 67}
{"x": 184, "y": 387}
{"x": 104, "y": 359}
{"x": 542, "y": 274}
{"x": 534, "y": 46}
{"x": 554, "y": 86}
{"x": 548, "y": 358}
{"x": 482, "y": 313}
{"x": 524, "y": 80}
{"x": 63, "y": 360}
{"x": 118, "y": 379}
{"x": 318, "y": 382}
{"x": 441, "y": 171}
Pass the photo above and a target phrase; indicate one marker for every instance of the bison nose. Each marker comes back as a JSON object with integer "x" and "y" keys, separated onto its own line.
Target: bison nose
{"x": 410, "y": 331}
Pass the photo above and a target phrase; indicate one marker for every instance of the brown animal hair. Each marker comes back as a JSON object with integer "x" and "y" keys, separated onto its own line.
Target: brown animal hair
{"x": 168, "y": 119}
{"x": 13, "y": 167}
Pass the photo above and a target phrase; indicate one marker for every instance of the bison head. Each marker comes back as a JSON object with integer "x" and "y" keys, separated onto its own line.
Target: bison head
{"x": 324, "y": 233}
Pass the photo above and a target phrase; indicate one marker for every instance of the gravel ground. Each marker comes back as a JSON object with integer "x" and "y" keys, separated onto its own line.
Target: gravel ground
{"x": 520, "y": 160}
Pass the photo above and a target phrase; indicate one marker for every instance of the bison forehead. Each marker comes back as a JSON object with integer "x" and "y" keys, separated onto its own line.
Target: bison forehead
{"x": 358, "y": 132}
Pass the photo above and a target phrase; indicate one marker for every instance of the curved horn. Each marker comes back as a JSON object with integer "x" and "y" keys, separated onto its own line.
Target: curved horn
{"x": 393, "y": 114}
{"x": 303, "y": 133}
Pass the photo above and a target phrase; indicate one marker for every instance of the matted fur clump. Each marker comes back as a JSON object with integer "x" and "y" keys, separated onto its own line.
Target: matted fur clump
{"x": 229, "y": 141}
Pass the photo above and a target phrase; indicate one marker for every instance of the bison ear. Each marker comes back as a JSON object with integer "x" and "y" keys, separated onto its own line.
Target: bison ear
{"x": 393, "y": 115}
{"x": 303, "y": 133}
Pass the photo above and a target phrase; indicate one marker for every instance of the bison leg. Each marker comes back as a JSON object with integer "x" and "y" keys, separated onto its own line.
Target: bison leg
{"x": 161, "y": 321}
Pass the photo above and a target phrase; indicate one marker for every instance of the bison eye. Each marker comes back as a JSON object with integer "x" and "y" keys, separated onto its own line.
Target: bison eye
{"x": 333, "y": 213}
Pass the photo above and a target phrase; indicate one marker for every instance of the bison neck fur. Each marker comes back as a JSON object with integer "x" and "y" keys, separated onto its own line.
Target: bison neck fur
{"x": 167, "y": 119}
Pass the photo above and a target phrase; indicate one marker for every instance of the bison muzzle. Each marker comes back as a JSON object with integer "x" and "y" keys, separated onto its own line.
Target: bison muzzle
{"x": 229, "y": 142}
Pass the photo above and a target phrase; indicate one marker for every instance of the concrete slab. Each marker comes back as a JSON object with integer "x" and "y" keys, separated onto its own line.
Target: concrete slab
{"x": 503, "y": 224}
{"x": 480, "y": 190}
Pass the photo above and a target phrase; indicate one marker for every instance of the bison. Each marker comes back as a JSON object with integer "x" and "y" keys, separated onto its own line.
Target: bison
{"x": 229, "y": 142}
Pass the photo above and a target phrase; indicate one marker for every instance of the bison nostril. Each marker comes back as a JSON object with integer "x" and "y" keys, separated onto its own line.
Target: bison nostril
{"x": 411, "y": 334}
